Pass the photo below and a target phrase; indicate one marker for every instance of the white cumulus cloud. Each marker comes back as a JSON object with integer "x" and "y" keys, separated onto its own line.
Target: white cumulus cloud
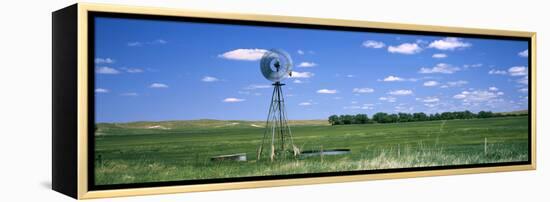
{"x": 244, "y": 54}
{"x": 158, "y": 85}
{"x": 106, "y": 70}
{"x": 439, "y": 55}
{"x": 405, "y": 48}
{"x": 431, "y": 83}
{"x": 104, "y": 61}
{"x": 363, "y": 90}
{"x": 457, "y": 83}
{"x": 388, "y": 99}
{"x": 497, "y": 72}
{"x": 133, "y": 70}
{"x": 373, "y": 44}
{"x": 209, "y": 79}
{"x": 524, "y": 53}
{"x": 517, "y": 71}
{"x": 449, "y": 43}
{"x": 232, "y": 99}
{"x": 523, "y": 90}
{"x": 307, "y": 64}
{"x": 393, "y": 78}
{"x": 302, "y": 74}
{"x": 430, "y": 99}
{"x": 327, "y": 91}
{"x": 401, "y": 92}
{"x": 441, "y": 68}
{"x": 524, "y": 80}
{"x": 477, "y": 96}
{"x": 101, "y": 90}
{"x": 132, "y": 94}
{"x": 141, "y": 43}
{"x": 460, "y": 96}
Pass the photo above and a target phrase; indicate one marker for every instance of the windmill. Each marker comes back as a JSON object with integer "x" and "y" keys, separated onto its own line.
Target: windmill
{"x": 276, "y": 65}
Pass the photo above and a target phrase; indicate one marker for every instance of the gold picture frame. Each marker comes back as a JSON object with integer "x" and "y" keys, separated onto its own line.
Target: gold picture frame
{"x": 75, "y": 166}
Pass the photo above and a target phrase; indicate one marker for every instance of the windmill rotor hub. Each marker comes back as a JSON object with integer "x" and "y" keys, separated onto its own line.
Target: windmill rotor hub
{"x": 276, "y": 65}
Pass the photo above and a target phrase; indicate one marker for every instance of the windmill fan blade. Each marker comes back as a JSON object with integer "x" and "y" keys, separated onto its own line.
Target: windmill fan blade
{"x": 276, "y": 65}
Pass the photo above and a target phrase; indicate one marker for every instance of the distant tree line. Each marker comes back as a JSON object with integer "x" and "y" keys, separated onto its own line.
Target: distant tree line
{"x": 382, "y": 117}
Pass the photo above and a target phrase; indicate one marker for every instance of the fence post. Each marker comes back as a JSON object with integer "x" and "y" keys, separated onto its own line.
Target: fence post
{"x": 398, "y": 151}
{"x": 322, "y": 153}
{"x": 485, "y": 147}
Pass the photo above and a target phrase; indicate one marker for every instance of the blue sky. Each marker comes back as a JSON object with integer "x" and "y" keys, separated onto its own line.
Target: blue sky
{"x": 157, "y": 70}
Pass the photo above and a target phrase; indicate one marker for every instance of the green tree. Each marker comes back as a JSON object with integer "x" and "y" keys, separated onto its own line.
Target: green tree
{"x": 392, "y": 118}
{"x": 346, "y": 119}
{"x": 334, "y": 120}
{"x": 361, "y": 119}
{"x": 379, "y": 117}
{"x": 421, "y": 116}
{"x": 484, "y": 114}
{"x": 405, "y": 117}
{"x": 437, "y": 116}
{"x": 458, "y": 115}
{"x": 468, "y": 115}
{"x": 447, "y": 116}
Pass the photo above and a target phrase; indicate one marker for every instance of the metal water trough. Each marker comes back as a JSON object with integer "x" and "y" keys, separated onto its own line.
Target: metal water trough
{"x": 230, "y": 157}
{"x": 324, "y": 152}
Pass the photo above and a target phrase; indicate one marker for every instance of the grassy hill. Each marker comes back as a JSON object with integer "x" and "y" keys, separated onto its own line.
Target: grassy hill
{"x": 519, "y": 112}
{"x": 134, "y": 152}
{"x": 163, "y": 127}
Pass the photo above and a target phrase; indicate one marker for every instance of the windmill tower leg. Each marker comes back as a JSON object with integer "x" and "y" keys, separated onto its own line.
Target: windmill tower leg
{"x": 277, "y": 132}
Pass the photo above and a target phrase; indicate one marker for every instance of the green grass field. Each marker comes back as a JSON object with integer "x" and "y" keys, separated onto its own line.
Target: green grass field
{"x": 181, "y": 150}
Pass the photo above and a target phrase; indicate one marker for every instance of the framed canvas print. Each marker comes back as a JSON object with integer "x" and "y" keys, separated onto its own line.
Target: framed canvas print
{"x": 152, "y": 101}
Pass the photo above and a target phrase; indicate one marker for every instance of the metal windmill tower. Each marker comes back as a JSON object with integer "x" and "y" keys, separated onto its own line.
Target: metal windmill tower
{"x": 276, "y": 65}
